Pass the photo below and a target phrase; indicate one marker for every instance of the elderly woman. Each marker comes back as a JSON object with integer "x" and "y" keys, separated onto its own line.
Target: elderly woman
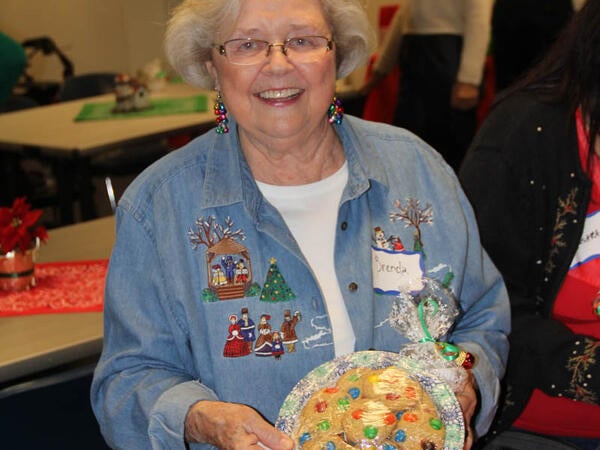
{"x": 289, "y": 193}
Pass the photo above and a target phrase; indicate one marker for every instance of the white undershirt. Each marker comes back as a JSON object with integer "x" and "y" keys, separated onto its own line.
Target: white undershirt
{"x": 310, "y": 211}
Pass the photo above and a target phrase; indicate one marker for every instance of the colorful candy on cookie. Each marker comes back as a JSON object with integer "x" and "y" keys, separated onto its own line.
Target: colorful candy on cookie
{"x": 368, "y": 421}
{"x": 418, "y": 430}
{"x": 352, "y": 381}
{"x": 325, "y": 442}
{"x": 322, "y": 413}
{"x": 395, "y": 387}
{"x": 327, "y": 403}
{"x": 378, "y": 409}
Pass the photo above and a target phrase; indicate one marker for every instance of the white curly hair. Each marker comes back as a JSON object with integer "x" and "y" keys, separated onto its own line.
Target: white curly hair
{"x": 194, "y": 25}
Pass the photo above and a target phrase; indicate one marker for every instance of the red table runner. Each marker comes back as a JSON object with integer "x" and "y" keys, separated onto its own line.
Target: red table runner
{"x": 60, "y": 288}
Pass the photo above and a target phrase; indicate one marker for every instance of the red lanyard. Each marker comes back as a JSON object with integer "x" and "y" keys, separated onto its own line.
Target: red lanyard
{"x": 583, "y": 138}
{"x": 583, "y": 141}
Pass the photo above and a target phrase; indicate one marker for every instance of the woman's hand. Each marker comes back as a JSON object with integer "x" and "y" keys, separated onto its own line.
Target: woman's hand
{"x": 232, "y": 426}
{"x": 464, "y": 96}
{"x": 468, "y": 402}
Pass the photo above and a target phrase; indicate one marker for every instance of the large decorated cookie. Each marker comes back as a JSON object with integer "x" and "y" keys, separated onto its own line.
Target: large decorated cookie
{"x": 372, "y": 400}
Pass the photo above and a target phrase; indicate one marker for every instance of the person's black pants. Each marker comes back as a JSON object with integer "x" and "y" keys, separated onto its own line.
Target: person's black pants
{"x": 429, "y": 64}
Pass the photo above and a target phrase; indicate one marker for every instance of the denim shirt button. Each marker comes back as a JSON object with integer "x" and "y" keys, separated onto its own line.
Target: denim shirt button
{"x": 344, "y": 225}
{"x": 353, "y": 286}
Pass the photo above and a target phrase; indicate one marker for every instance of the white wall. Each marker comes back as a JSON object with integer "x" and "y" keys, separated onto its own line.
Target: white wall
{"x": 99, "y": 35}
{"x": 106, "y": 35}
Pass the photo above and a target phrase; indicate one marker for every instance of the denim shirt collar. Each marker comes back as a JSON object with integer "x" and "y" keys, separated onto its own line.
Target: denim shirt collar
{"x": 226, "y": 157}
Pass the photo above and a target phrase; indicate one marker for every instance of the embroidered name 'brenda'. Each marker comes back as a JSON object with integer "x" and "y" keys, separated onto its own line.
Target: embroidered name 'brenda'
{"x": 382, "y": 267}
{"x": 394, "y": 272}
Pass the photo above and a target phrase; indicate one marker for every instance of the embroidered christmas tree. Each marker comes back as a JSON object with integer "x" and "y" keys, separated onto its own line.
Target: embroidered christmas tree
{"x": 275, "y": 289}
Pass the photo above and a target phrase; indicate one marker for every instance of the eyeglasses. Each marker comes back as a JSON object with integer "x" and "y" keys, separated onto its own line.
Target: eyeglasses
{"x": 301, "y": 49}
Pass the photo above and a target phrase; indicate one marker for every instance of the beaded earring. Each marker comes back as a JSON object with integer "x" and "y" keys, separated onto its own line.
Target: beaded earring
{"x": 221, "y": 113}
{"x": 335, "y": 111}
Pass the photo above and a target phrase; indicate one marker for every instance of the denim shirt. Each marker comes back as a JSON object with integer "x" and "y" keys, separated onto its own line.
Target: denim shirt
{"x": 173, "y": 328}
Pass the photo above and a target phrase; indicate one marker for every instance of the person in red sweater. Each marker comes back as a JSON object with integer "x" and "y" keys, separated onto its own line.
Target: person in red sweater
{"x": 533, "y": 177}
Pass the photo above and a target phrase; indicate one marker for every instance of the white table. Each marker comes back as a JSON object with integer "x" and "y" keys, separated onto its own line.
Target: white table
{"x": 32, "y": 344}
{"x": 53, "y": 129}
{"x": 54, "y": 133}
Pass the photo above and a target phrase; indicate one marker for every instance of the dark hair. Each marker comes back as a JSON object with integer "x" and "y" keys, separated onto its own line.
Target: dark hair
{"x": 569, "y": 73}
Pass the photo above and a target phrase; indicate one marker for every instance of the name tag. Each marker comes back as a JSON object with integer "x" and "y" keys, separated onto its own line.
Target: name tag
{"x": 589, "y": 245}
{"x": 395, "y": 272}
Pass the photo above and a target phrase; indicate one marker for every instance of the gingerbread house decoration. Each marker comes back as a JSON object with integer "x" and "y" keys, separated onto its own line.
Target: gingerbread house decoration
{"x": 130, "y": 95}
{"x": 228, "y": 268}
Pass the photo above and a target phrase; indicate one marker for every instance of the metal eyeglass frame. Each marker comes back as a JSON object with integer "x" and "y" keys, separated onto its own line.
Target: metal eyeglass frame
{"x": 221, "y": 47}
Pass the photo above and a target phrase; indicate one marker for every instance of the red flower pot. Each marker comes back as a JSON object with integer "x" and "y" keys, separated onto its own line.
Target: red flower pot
{"x": 17, "y": 270}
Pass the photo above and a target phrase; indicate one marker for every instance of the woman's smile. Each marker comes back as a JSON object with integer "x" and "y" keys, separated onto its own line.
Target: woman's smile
{"x": 280, "y": 94}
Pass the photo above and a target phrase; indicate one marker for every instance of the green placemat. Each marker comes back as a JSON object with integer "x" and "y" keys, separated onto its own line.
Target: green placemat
{"x": 160, "y": 107}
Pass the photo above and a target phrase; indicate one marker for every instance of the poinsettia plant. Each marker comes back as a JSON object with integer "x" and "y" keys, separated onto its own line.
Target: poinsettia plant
{"x": 19, "y": 227}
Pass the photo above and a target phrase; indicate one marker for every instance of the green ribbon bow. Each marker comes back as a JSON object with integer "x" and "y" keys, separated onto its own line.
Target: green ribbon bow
{"x": 449, "y": 351}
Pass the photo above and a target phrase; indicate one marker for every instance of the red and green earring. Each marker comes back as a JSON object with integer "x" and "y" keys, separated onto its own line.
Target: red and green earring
{"x": 221, "y": 113}
{"x": 335, "y": 111}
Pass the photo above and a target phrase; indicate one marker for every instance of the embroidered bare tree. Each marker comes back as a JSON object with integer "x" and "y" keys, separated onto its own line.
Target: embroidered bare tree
{"x": 580, "y": 365}
{"x": 566, "y": 207}
{"x": 208, "y": 232}
{"x": 413, "y": 215}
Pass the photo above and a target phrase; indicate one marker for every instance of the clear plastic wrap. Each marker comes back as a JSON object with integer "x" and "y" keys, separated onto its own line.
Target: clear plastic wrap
{"x": 425, "y": 317}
